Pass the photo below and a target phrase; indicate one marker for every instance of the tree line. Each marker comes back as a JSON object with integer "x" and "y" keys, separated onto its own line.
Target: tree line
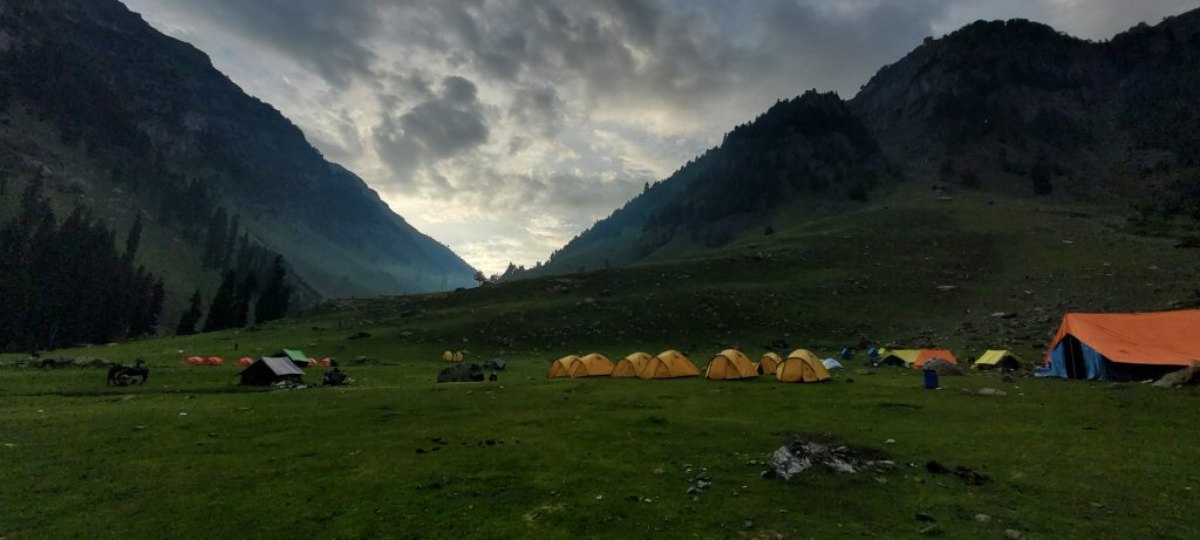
{"x": 63, "y": 284}
{"x": 231, "y": 304}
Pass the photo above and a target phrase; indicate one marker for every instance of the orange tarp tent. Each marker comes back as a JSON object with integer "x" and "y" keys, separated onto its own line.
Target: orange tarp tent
{"x": 730, "y": 364}
{"x": 929, "y": 354}
{"x": 630, "y": 365}
{"x": 1143, "y": 342}
{"x": 668, "y": 365}
{"x": 1161, "y": 338}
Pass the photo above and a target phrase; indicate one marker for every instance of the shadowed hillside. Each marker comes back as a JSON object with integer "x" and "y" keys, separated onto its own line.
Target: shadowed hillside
{"x": 126, "y": 121}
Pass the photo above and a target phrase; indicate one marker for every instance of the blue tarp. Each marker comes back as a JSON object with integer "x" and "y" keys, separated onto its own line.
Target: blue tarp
{"x": 1094, "y": 366}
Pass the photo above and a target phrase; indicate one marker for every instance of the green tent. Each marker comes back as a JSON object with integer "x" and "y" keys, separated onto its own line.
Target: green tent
{"x": 296, "y": 355}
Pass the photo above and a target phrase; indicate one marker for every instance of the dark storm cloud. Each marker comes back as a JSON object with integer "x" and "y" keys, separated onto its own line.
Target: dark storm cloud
{"x": 327, "y": 36}
{"x": 443, "y": 126}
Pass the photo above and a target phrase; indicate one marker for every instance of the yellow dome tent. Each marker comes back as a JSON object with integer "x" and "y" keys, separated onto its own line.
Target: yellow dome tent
{"x": 447, "y": 356}
{"x": 631, "y": 365}
{"x": 767, "y": 364}
{"x": 994, "y": 359}
{"x": 566, "y": 366}
{"x": 730, "y": 364}
{"x": 669, "y": 365}
{"x": 802, "y": 366}
{"x": 596, "y": 365}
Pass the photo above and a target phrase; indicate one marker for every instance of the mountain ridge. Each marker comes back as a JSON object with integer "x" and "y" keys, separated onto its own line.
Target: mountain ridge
{"x": 154, "y": 112}
{"x": 1008, "y": 106}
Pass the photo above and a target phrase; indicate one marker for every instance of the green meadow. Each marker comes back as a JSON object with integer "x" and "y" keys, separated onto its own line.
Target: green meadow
{"x": 191, "y": 454}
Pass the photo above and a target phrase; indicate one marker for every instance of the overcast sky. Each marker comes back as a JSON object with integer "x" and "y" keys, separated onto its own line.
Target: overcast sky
{"x": 505, "y": 127}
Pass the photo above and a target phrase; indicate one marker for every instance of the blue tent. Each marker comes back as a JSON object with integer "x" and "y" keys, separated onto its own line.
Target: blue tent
{"x": 1073, "y": 359}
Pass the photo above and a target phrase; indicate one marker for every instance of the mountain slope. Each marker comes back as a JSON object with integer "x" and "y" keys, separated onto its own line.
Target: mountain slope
{"x": 809, "y": 148}
{"x": 121, "y": 109}
{"x": 1012, "y": 107}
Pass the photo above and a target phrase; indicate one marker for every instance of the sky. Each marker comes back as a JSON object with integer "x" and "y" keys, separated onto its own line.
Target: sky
{"x": 503, "y": 128}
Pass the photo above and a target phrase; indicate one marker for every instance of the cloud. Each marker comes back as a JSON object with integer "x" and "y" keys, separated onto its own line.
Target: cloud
{"x": 505, "y": 127}
{"x": 441, "y": 127}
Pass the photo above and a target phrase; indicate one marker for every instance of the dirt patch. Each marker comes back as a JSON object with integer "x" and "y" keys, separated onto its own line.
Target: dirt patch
{"x": 823, "y": 453}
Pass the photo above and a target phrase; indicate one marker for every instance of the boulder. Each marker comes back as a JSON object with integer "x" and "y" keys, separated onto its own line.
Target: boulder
{"x": 1174, "y": 379}
{"x": 495, "y": 364}
{"x": 465, "y": 372}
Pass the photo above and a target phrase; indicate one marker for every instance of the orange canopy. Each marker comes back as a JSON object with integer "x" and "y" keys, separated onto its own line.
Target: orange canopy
{"x": 929, "y": 354}
{"x": 1159, "y": 338}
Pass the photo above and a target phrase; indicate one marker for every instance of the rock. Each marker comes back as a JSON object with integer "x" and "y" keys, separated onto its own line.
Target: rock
{"x": 1013, "y": 534}
{"x": 932, "y": 530}
{"x": 922, "y": 516}
{"x": 360, "y": 335}
{"x": 983, "y": 518}
{"x": 946, "y": 288}
{"x": 1179, "y": 378}
{"x": 1004, "y": 315}
{"x": 991, "y": 392}
{"x": 936, "y": 468}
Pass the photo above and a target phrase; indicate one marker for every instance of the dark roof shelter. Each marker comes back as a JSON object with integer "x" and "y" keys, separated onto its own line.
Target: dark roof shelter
{"x": 270, "y": 371}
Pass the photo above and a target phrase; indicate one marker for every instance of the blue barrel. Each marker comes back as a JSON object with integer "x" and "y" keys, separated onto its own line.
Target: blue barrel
{"x": 931, "y": 380}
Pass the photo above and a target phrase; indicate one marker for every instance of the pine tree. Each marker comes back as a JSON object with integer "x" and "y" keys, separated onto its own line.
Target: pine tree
{"x": 220, "y": 311}
{"x": 134, "y": 239}
{"x": 273, "y": 303}
{"x": 187, "y": 322}
{"x": 241, "y": 301}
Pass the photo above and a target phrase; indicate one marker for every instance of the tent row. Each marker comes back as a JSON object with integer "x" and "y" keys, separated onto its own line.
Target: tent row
{"x": 731, "y": 364}
{"x": 932, "y": 358}
{"x": 294, "y": 356}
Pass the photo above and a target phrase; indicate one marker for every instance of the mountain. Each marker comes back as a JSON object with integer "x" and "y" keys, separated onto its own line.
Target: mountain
{"x": 810, "y": 147}
{"x": 128, "y": 122}
{"x": 1011, "y": 107}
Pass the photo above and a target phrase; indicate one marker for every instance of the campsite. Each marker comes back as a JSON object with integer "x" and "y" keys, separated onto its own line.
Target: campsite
{"x": 623, "y": 269}
{"x": 589, "y": 456}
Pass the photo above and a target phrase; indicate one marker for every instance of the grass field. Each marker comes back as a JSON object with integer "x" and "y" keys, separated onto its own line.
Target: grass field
{"x": 190, "y": 455}
{"x": 615, "y": 458}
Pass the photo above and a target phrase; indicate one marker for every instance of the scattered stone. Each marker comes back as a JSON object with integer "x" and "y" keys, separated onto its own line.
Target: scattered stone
{"x": 991, "y": 392}
{"x": 983, "y": 518}
{"x": 946, "y": 288}
{"x": 749, "y": 524}
{"x": 1179, "y": 378}
{"x": 932, "y": 530}
{"x": 805, "y": 453}
{"x": 864, "y": 371}
{"x": 1013, "y": 534}
{"x": 922, "y": 516}
{"x": 1004, "y": 315}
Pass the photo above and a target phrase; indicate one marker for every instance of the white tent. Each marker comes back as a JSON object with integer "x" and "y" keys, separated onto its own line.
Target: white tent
{"x": 831, "y": 364}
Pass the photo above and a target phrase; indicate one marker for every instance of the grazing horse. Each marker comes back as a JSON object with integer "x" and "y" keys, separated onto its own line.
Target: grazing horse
{"x": 119, "y": 375}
